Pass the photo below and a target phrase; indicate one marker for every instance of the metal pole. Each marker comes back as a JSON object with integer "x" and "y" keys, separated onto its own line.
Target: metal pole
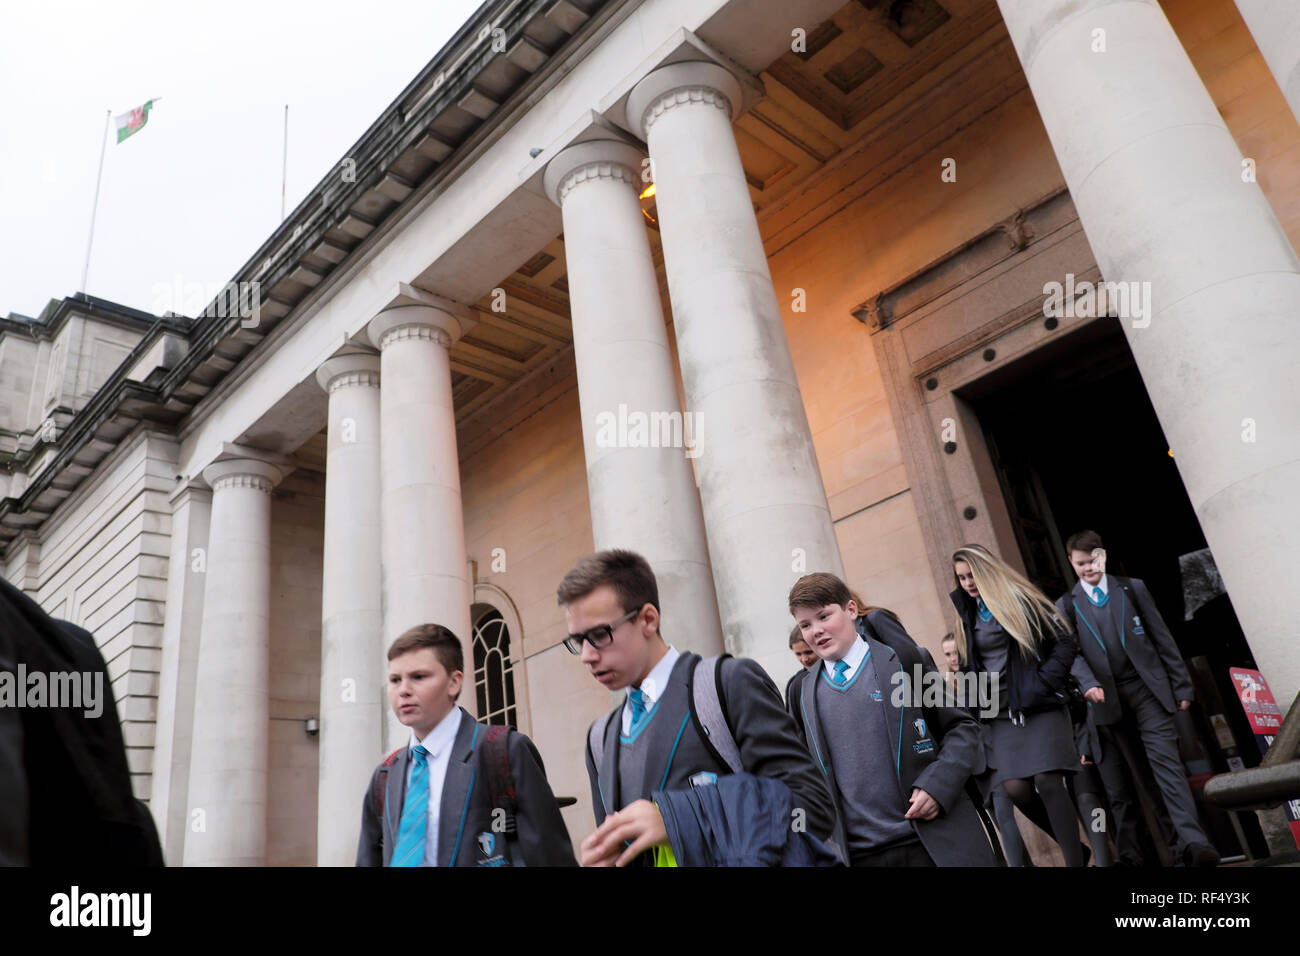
{"x": 103, "y": 145}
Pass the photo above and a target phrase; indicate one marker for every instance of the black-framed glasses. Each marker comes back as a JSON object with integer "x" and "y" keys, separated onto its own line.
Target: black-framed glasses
{"x": 598, "y": 636}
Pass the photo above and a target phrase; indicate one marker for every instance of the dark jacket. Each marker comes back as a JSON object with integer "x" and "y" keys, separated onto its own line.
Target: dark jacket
{"x": 1146, "y": 640}
{"x": 935, "y": 749}
{"x": 741, "y": 820}
{"x": 792, "y": 692}
{"x": 466, "y": 836}
{"x": 59, "y": 766}
{"x": 769, "y": 744}
{"x": 1031, "y": 685}
{"x": 889, "y": 630}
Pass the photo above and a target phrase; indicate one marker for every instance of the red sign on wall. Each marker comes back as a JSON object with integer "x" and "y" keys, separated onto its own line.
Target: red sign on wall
{"x": 1265, "y": 719}
{"x": 1256, "y": 700}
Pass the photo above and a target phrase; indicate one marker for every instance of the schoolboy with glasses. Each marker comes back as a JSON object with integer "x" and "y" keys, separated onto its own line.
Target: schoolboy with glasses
{"x": 649, "y": 742}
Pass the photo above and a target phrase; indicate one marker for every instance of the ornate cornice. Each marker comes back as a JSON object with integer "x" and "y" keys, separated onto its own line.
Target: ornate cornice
{"x": 1000, "y": 241}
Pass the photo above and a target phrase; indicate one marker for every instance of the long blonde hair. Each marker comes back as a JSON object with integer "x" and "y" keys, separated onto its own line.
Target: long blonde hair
{"x": 1019, "y": 607}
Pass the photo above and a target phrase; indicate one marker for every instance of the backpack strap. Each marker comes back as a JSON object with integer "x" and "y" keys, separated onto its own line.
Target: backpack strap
{"x": 596, "y": 737}
{"x": 710, "y": 710}
{"x": 496, "y": 771}
{"x": 381, "y": 784}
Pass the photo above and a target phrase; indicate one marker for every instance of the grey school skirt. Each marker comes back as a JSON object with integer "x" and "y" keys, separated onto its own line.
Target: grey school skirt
{"x": 1044, "y": 742}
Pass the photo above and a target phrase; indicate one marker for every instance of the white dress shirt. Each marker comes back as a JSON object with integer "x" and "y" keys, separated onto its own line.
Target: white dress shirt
{"x": 854, "y": 657}
{"x": 652, "y": 688}
{"x": 439, "y": 744}
{"x": 1103, "y": 584}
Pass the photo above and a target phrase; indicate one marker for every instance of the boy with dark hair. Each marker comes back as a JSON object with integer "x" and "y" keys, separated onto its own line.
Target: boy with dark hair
{"x": 460, "y": 793}
{"x": 896, "y": 769}
{"x": 684, "y": 723}
{"x": 806, "y": 658}
{"x": 1133, "y": 677}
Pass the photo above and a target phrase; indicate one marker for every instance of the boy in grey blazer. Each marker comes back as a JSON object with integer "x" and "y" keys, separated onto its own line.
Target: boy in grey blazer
{"x": 653, "y": 741}
{"x": 431, "y": 803}
{"x": 1134, "y": 678}
{"x": 897, "y": 770}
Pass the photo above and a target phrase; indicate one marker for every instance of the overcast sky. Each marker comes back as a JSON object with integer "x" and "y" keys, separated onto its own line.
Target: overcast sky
{"x": 197, "y": 191}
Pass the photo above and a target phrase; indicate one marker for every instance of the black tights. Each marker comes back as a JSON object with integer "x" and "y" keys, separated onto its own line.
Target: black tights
{"x": 1046, "y": 802}
{"x": 1091, "y": 812}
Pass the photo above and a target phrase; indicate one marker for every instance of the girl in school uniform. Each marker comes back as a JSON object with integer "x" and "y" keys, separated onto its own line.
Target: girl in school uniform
{"x": 1009, "y": 631}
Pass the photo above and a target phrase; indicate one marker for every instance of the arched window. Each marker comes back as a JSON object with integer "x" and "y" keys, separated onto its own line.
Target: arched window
{"x": 494, "y": 681}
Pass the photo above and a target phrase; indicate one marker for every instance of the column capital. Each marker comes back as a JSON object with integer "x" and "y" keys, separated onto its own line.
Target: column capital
{"x": 590, "y": 161}
{"x": 342, "y": 371}
{"x": 693, "y": 81}
{"x": 243, "y": 473}
{"x": 416, "y": 322}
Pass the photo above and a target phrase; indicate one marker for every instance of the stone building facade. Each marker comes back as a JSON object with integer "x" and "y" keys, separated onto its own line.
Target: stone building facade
{"x": 484, "y": 346}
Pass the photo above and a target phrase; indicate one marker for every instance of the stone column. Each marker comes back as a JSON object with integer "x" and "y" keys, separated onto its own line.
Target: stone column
{"x": 642, "y": 497}
{"x": 352, "y": 695}
{"x": 1275, "y": 25}
{"x": 187, "y": 570}
{"x": 764, "y": 504}
{"x": 426, "y": 573}
{"x": 1156, "y": 178}
{"x": 227, "y": 793}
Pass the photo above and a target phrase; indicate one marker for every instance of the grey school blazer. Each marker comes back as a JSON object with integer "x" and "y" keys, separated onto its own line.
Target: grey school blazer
{"x": 769, "y": 743}
{"x": 465, "y": 833}
{"x": 940, "y": 767}
{"x": 1146, "y": 639}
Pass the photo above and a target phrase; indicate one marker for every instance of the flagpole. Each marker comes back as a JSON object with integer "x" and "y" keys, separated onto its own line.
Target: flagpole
{"x": 284, "y": 173}
{"x": 103, "y": 145}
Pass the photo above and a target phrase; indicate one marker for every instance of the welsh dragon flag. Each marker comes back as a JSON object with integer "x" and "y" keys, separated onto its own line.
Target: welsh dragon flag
{"x": 133, "y": 121}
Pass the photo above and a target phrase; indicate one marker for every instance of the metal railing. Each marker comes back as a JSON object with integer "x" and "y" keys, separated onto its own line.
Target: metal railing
{"x": 1275, "y": 780}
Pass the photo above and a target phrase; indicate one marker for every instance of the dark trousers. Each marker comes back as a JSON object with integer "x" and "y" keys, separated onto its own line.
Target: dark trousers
{"x": 911, "y": 853}
{"x": 1146, "y": 728}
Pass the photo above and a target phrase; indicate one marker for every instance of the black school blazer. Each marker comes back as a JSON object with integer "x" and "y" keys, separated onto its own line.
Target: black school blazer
{"x": 1031, "y": 685}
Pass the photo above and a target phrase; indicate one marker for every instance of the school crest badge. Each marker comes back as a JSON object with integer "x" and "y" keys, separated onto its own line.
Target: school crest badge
{"x": 487, "y": 844}
{"x": 924, "y": 744}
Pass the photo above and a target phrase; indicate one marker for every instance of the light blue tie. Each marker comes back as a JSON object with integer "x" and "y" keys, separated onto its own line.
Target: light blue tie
{"x": 1096, "y": 595}
{"x": 637, "y": 699}
{"x": 415, "y": 814}
{"x": 840, "y": 677}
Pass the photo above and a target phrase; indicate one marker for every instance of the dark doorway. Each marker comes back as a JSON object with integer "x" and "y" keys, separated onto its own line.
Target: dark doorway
{"x": 1077, "y": 445}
